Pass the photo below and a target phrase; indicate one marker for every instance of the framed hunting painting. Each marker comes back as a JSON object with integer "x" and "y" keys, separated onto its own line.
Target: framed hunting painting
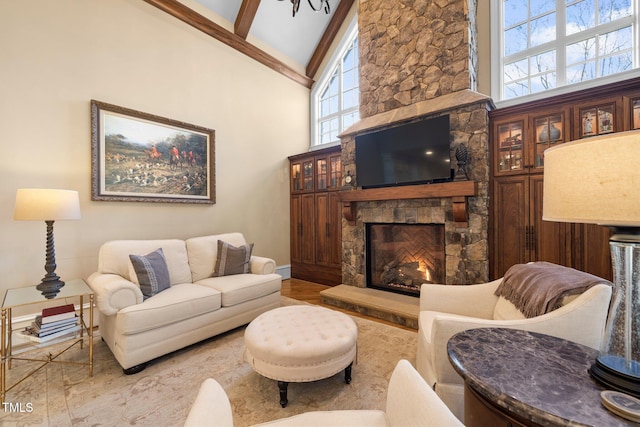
{"x": 141, "y": 157}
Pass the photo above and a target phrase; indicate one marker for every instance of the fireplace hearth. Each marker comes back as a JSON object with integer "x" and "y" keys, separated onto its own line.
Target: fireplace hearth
{"x": 401, "y": 257}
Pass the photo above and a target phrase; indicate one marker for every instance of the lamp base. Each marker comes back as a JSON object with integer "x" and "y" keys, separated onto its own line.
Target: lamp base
{"x": 50, "y": 288}
{"x": 614, "y": 372}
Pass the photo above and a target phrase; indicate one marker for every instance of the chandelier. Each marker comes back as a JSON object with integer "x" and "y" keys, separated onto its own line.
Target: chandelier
{"x": 296, "y": 6}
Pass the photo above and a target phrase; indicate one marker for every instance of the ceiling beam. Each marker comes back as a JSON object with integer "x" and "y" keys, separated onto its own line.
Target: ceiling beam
{"x": 329, "y": 35}
{"x": 189, "y": 16}
{"x": 245, "y": 17}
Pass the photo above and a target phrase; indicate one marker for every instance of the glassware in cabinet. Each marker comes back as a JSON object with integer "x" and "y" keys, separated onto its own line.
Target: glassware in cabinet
{"x": 307, "y": 175}
{"x": 635, "y": 113}
{"x": 597, "y": 120}
{"x": 510, "y": 146}
{"x": 549, "y": 131}
{"x": 321, "y": 174}
{"x": 335, "y": 171}
{"x": 296, "y": 177}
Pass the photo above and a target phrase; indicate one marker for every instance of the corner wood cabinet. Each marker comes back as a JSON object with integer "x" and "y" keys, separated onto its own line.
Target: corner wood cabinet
{"x": 316, "y": 216}
{"x": 519, "y": 136}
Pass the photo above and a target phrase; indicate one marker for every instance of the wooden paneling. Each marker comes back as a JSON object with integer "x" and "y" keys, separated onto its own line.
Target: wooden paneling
{"x": 322, "y": 229}
{"x": 335, "y": 231}
{"x": 548, "y": 238}
{"x": 308, "y": 235}
{"x": 328, "y": 230}
{"x": 296, "y": 228}
{"x": 510, "y": 208}
{"x": 592, "y": 250}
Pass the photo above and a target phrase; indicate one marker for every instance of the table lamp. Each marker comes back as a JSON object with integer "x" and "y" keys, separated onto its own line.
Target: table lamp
{"x": 36, "y": 204}
{"x": 597, "y": 180}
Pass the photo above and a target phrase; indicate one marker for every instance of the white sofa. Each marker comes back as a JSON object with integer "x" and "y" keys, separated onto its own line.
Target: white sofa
{"x": 410, "y": 402}
{"x": 196, "y": 306}
{"x": 447, "y": 310}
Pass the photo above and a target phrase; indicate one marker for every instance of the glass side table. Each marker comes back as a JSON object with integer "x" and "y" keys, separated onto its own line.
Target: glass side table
{"x": 18, "y": 297}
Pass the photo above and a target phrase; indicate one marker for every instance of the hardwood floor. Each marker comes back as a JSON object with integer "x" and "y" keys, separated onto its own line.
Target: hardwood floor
{"x": 302, "y": 290}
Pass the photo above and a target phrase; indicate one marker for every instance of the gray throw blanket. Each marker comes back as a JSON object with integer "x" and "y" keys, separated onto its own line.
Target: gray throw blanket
{"x": 540, "y": 287}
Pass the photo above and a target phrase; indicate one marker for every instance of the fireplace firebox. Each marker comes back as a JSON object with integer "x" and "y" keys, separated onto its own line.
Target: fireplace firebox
{"x": 401, "y": 257}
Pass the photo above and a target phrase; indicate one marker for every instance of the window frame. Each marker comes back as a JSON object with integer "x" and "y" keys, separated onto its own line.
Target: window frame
{"x": 497, "y": 56}
{"x": 350, "y": 34}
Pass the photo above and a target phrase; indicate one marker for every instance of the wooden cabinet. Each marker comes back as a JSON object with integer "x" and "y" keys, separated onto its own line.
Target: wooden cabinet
{"x": 510, "y": 149}
{"x": 519, "y": 136}
{"x": 523, "y": 236}
{"x": 519, "y": 233}
{"x": 302, "y": 228}
{"x": 520, "y": 141}
{"x": 631, "y": 112}
{"x": 598, "y": 117}
{"x": 316, "y": 216}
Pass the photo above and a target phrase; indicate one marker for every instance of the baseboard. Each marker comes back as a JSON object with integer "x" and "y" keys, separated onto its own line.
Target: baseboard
{"x": 284, "y": 271}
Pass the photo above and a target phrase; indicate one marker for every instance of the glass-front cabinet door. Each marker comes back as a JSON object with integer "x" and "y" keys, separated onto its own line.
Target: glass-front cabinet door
{"x": 319, "y": 171}
{"x": 328, "y": 172}
{"x": 510, "y": 147}
{"x": 592, "y": 119}
{"x": 321, "y": 174}
{"x": 549, "y": 131}
{"x": 307, "y": 175}
{"x": 335, "y": 171}
{"x": 302, "y": 176}
{"x": 634, "y": 107}
{"x": 296, "y": 177}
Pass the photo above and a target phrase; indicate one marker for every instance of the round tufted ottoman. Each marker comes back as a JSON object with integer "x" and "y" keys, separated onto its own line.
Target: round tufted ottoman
{"x": 301, "y": 343}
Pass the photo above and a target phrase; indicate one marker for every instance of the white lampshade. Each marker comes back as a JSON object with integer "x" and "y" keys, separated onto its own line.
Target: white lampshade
{"x": 594, "y": 180}
{"x": 38, "y": 204}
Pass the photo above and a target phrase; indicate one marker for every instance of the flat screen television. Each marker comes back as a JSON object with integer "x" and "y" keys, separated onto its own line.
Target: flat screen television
{"x": 414, "y": 153}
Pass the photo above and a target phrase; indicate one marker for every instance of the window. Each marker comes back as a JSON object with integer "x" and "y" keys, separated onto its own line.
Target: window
{"x": 547, "y": 44}
{"x": 335, "y": 100}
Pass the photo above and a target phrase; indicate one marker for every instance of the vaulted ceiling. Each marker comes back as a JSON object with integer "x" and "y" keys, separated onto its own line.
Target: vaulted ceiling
{"x": 305, "y": 38}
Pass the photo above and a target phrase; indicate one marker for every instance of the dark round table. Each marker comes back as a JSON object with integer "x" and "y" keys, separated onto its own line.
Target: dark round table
{"x": 528, "y": 378}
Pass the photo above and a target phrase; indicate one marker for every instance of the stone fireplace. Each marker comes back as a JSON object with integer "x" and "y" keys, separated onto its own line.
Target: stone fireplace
{"x": 401, "y": 257}
{"x": 418, "y": 60}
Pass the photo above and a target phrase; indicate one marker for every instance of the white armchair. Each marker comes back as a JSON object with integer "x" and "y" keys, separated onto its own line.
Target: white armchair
{"x": 410, "y": 402}
{"x": 447, "y": 310}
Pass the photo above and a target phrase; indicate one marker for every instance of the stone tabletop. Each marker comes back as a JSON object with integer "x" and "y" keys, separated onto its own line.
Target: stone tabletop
{"x": 538, "y": 377}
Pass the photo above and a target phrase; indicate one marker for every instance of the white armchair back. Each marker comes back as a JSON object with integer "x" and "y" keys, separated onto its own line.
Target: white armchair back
{"x": 410, "y": 402}
{"x": 447, "y": 310}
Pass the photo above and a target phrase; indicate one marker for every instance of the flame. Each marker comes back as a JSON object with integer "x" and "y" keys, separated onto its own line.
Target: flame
{"x": 423, "y": 268}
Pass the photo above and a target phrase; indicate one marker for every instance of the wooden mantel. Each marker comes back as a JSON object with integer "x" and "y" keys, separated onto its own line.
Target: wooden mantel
{"x": 458, "y": 191}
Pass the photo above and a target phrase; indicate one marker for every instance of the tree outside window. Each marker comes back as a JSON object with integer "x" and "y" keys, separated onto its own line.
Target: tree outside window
{"x": 545, "y": 44}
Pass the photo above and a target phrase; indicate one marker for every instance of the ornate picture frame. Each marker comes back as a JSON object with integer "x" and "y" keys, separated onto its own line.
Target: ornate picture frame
{"x": 140, "y": 157}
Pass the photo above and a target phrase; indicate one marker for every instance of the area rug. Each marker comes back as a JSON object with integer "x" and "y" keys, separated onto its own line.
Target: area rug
{"x": 162, "y": 394}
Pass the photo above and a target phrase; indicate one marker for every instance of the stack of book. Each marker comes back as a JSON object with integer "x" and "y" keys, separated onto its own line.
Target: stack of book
{"x": 55, "y": 322}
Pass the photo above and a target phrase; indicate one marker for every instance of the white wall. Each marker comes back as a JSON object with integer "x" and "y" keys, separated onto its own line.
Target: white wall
{"x": 55, "y": 56}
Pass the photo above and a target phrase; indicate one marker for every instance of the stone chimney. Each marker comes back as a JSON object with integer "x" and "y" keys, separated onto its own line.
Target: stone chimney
{"x": 414, "y": 50}
{"x": 418, "y": 59}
